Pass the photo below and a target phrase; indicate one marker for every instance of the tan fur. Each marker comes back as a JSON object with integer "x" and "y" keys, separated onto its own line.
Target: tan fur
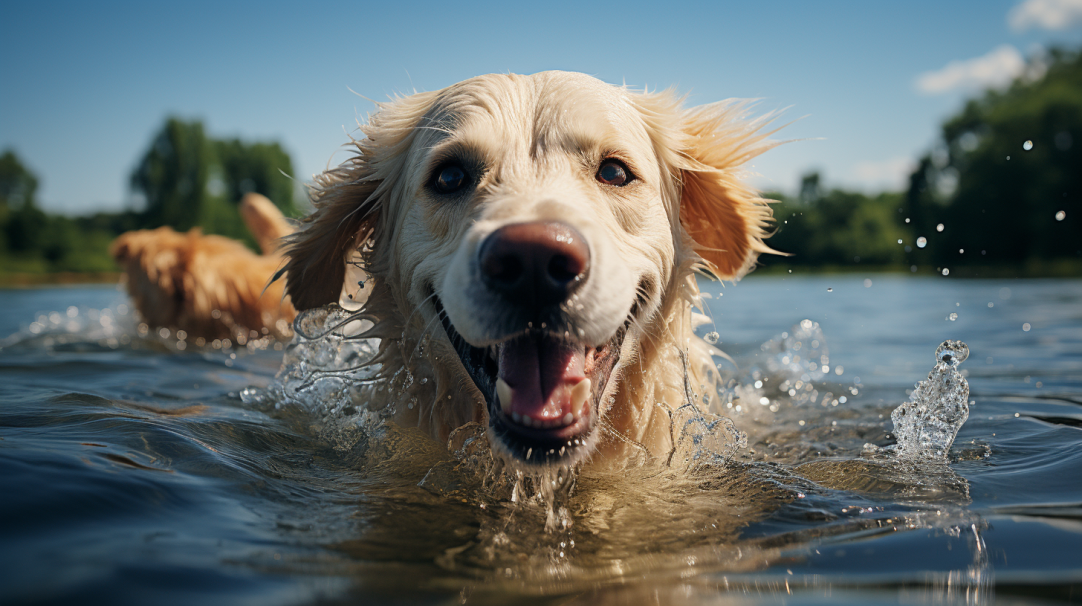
{"x": 209, "y": 286}
{"x": 537, "y": 133}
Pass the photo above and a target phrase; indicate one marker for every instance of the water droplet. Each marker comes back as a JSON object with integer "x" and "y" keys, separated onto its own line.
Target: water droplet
{"x": 1028, "y": 145}
{"x": 907, "y": 219}
{"x": 939, "y": 227}
{"x": 961, "y": 251}
{"x": 711, "y": 337}
{"x": 867, "y": 283}
{"x": 830, "y": 290}
{"x": 953, "y": 317}
{"x": 946, "y": 271}
{"x": 922, "y": 242}
{"x": 1025, "y": 327}
{"x": 1061, "y": 215}
{"x": 899, "y": 240}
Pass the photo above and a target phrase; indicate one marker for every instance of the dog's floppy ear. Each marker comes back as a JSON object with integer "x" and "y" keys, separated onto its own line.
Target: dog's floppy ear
{"x": 724, "y": 217}
{"x": 349, "y": 202}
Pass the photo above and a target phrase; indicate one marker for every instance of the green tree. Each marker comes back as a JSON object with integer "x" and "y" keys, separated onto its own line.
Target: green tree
{"x": 1006, "y": 165}
{"x": 189, "y": 179}
{"x": 172, "y": 176}
{"x": 18, "y": 185}
{"x": 22, "y": 221}
{"x": 256, "y": 167}
{"x": 837, "y": 227}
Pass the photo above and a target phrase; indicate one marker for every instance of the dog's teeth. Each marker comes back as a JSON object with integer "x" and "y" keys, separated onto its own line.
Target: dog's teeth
{"x": 503, "y": 394}
{"x": 517, "y": 418}
{"x": 569, "y": 419}
{"x": 579, "y": 393}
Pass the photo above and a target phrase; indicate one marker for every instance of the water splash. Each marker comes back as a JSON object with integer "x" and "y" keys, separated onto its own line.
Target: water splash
{"x": 927, "y": 424}
{"x": 328, "y": 371}
{"x": 791, "y": 365}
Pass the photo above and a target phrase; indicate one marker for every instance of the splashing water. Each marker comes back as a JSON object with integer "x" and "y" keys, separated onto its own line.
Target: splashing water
{"x": 327, "y": 370}
{"x": 330, "y": 371}
{"x": 927, "y": 424}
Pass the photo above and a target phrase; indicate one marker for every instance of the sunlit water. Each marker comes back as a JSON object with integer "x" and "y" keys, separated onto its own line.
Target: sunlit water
{"x": 139, "y": 468}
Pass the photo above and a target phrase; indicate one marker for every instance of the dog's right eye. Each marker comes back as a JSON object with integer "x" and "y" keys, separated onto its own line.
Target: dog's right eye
{"x": 614, "y": 172}
{"x": 449, "y": 179}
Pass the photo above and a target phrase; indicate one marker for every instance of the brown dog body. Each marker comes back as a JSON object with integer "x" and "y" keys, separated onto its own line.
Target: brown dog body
{"x": 209, "y": 286}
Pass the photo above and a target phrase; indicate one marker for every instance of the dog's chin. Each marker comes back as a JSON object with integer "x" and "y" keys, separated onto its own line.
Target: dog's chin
{"x": 559, "y": 431}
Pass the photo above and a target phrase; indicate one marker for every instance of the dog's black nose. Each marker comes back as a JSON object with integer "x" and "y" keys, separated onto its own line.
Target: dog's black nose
{"x": 535, "y": 264}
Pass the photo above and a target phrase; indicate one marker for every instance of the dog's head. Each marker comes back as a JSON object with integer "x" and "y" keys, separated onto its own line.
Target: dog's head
{"x": 545, "y": 223}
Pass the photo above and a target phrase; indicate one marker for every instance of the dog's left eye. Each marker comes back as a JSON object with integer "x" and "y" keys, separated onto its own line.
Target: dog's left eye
{"x": 614, "y": 172}
{"x": 450, "y": 178}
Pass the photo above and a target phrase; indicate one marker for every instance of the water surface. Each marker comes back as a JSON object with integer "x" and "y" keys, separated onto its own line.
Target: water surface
{"x": 133, "y": 472}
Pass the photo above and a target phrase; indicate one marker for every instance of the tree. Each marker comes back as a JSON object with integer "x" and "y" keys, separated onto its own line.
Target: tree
{"x": 256, "y": 167}
{"x": 23, "y": 222}
{"x": 837, "y": 227}
{"x": 1008, "y": 164}
{"x": 172, "y": 176}
{"x": 18, "y": 185}
{"x": 190, "y": 179}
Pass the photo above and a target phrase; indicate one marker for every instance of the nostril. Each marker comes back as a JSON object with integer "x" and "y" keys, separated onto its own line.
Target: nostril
{"x": 563, "y": 268}
{"x": 505, "y": 269}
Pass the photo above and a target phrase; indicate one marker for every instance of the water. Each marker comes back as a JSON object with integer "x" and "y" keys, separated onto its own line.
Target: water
{"x": 133, "y": 471}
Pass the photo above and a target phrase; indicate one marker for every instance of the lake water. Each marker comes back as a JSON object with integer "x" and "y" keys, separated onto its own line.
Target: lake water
{"x": 132, "y": 472}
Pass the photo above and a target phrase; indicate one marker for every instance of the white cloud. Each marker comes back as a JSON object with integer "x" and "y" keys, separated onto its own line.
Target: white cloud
{"x": 1045, "y": 14}
{"x": 994, "y": 70}
{"x": 891, "y": 174}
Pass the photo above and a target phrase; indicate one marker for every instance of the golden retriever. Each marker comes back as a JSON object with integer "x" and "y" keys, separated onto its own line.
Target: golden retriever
{"x": 208, "y": 286}
{"x": 532, "y": 244}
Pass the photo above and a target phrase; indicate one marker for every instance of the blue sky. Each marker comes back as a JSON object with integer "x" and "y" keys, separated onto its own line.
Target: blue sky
{"x": 86, "y": 85}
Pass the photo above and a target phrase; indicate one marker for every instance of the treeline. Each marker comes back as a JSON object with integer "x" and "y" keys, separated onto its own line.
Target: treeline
{"x": 997, "y": 195}
{"x": 185, "y": 179}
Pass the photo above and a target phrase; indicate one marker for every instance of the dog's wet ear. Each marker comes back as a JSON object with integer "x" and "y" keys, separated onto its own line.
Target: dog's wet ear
{"x": 724, "y": 220}
{"x": 724, "y": 216}
{"x": 350, "y": 201}
{"x": 318, "y": 250}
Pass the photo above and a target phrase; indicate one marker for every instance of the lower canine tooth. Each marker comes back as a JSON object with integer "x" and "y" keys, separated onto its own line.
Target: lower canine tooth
{"x": 569, "y": 419}
{"x": 579, "y": 393}
{"x": 503, "y": 394}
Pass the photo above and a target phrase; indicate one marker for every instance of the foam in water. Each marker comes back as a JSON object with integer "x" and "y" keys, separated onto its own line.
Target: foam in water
{"x": 927, "y": 424}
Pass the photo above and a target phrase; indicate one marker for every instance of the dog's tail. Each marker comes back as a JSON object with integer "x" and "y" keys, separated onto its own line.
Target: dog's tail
{"x": 265, "y": 222}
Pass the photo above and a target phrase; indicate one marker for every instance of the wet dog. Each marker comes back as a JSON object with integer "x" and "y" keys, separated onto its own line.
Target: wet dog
{"x": 531, "y": 245}
{"x": 208, "y": 286}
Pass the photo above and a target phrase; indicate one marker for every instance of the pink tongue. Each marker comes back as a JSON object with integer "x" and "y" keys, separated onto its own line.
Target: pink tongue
{"x": 541, "y": 373}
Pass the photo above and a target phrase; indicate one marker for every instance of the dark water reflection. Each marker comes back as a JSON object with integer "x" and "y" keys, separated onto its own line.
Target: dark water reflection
{"x": 131, "y": 472}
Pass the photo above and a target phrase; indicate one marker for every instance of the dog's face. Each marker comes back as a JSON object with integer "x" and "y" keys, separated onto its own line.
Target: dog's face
{"x": 544, "y": 222}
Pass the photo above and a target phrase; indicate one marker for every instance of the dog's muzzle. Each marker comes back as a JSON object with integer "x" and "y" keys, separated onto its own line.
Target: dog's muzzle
{"x": 542, "y": 384}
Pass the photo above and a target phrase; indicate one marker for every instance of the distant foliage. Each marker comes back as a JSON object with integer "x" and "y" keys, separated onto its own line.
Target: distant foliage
{"x": 1005, "y": 166}
{"x": 837, "y": 228}
{"x": 190, "y": 180}
{"x": 998, "y": 194}
{"x": 186, "y": 178}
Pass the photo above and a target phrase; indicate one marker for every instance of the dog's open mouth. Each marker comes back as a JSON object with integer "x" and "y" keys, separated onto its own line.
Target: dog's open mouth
{"x": 542, "y": 390}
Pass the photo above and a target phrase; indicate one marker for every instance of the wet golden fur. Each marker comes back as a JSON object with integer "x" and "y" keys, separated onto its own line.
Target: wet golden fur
{"x": 693, "y": 213}
{"x": 209, "y": 286}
